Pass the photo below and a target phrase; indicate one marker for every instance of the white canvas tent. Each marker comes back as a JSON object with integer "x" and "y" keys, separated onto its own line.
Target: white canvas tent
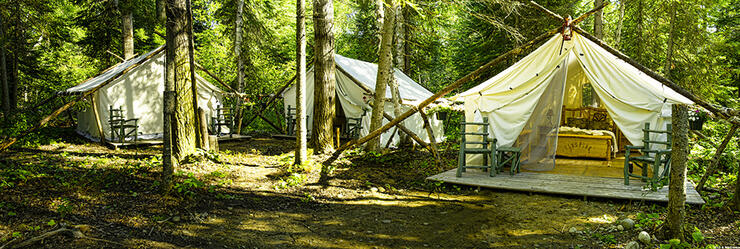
{"x": 139, "y": 92}
{"x": 530, "y": 94}
{"x": 354, "y": 100}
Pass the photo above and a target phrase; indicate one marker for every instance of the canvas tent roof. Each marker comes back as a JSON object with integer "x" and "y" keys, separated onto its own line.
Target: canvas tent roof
{"x": 108, "y": 74}
{"x": 354, "y": 99}
{"x": 366, "y": 73}
{"x": 139, "y": 91}
{"x": 539, "y": 85}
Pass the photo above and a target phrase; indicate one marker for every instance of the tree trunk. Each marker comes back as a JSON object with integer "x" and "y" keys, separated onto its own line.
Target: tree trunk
{"x": 399, "y": 56}
{"x": 199, "y": 143}
{"x": 618, "y": 35}
{"x": 737, "y": 189}
{"x": 599, "y": 20}
{"x": 4, "y": 71}
{"x": 301, "y": 152}
{"x": 406, "y": 67}
{"x": 677, "y": 185}
{"x": 639, "y": 30}
{"x": 379, "y": 17}
{"x": 239, "y": 84}
{"x": 385, "y": 74}
{"x": 127, "y": 29}
{"x": 324, "y": 78}
{"x": 168, "y": 160}
{"x": 161, "y": 10}
{"x": 671, "y": 37}
{"x": 184, "y": 122}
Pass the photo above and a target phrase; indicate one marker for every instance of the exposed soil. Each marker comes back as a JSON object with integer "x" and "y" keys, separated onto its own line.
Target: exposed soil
{"x": 249, "y": 198}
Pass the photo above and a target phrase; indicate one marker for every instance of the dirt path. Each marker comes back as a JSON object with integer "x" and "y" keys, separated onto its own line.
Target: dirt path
{"x": 252, "y": 200}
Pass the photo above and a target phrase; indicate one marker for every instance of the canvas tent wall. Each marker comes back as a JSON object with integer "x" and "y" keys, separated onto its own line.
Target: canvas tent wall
{"x": 527, "y": 97}
{"x": 140, "y": 93}
{"x": 354, "y": 99}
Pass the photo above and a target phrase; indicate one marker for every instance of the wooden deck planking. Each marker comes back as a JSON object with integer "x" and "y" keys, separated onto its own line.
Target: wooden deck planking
{"x": 566, "y": 184}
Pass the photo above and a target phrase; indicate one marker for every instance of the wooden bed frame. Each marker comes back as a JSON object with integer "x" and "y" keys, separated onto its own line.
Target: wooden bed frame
{"x": 589, "y": 146}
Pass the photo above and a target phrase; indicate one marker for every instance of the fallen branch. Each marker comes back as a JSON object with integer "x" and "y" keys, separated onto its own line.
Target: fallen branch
{"x": 75, "y": 232}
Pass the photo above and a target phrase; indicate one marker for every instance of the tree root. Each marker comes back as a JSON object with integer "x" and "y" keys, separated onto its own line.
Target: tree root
{"x": 73, "y": 231}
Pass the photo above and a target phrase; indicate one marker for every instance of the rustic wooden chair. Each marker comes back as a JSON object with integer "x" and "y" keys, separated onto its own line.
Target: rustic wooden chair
{"x": 290, "y": 121}
{"x": 659, "y": 159}
{"x": 506, "y": 155}
{"x": 353, "y": 126}
{"x": 224, "y": 118}
{"x": 121, "y": 127}
{"x": 482, "y": 147}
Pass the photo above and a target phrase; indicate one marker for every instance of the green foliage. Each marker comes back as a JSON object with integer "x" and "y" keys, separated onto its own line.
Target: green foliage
{"x": 189, "y": 185}
{"x": 648, "y": 221}
{"x": 605, "y": 238}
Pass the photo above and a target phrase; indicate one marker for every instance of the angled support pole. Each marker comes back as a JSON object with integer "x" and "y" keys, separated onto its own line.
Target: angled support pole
{"x": 715, "y": 159}
{"x": 432, "y": 140}
{"x": 273, "y": 97}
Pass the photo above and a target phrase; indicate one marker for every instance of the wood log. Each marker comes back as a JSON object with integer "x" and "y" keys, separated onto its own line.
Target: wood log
{"x": 677, "y": 185}
{"x": 271, "y": 123}
{"x": 273, "y": 97}
{"x": 203, "y": 127}
{"x": 715, "y": 159}
{"x": 97, "y": 119}
{"x": 471, "y": 76}
{"x": 432, "y": 140}
{"x": 723, "y": 112}
{"x": 201, "y": 68}
{"x": 5, "y": 144}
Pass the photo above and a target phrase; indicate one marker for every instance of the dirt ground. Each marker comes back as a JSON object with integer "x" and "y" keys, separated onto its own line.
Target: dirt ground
{"x": 246, "y": 197}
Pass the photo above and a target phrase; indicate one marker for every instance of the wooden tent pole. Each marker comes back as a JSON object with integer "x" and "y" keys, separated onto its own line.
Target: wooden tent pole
{"x": 5, "y": 144}
{"x": 97, "y": 119}
{"x": 715, "y": 159}
{"x": 471, "y": 76}
{"x": 201, "y": 68}
{"x": 432, "y": 140}
{"x": 723, "y": 112}
{"x": 273, "y": 97}
{"x": 702, "y": 136}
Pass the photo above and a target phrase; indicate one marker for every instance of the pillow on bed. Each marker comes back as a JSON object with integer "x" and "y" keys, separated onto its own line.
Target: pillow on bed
{"x": 599, "y": 121}
{"x": 578, "y": 123}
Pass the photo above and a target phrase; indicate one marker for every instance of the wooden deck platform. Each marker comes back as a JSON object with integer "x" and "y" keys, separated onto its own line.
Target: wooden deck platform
{"x": 579, "y": 185}
{"x": 225, "y": 138}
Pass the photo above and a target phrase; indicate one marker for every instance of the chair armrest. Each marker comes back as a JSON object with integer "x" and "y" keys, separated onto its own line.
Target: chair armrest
{"x": 629, "y": 147}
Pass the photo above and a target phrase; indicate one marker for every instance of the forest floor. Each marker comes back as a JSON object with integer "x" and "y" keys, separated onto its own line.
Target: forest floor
{"x": 247, "y": 197}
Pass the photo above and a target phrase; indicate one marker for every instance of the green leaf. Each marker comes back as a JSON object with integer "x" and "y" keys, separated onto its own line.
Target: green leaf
{"x": 51, "y": 222}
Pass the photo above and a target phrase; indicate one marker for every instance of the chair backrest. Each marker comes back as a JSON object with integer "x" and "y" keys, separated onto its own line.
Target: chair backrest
{"x": 115, "y": 114}
{"x": 291, "y": 112}
{"x": 480, "y": 130}
{"x": 648, "y": 141}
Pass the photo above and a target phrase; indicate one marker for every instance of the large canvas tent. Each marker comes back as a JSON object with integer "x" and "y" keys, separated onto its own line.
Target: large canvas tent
{"x": 139, "y": 92}
{"x": 354, "y": 100}
{"x": 527, "y": 98}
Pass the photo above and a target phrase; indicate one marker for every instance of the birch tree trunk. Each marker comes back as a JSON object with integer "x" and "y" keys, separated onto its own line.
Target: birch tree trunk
{"x": 324, "y": 77}
{"x": 168, "y": 160}
{"x": 618, "y": 35}
{"x": 184, "y": 122}
{"x": 301, "y": 152}
{"x": 239, "y": 84}
{"x": 385, "y": 74}
{"x": 599, "y": 20}
{"x": 127, "y": 29}
{"x": 161, "y": 10}
{"x": 379, "y": 17}
{"x": 676, "y": 187}
{"x": 399, "y": 56}
{"x": 671, "y": 37}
